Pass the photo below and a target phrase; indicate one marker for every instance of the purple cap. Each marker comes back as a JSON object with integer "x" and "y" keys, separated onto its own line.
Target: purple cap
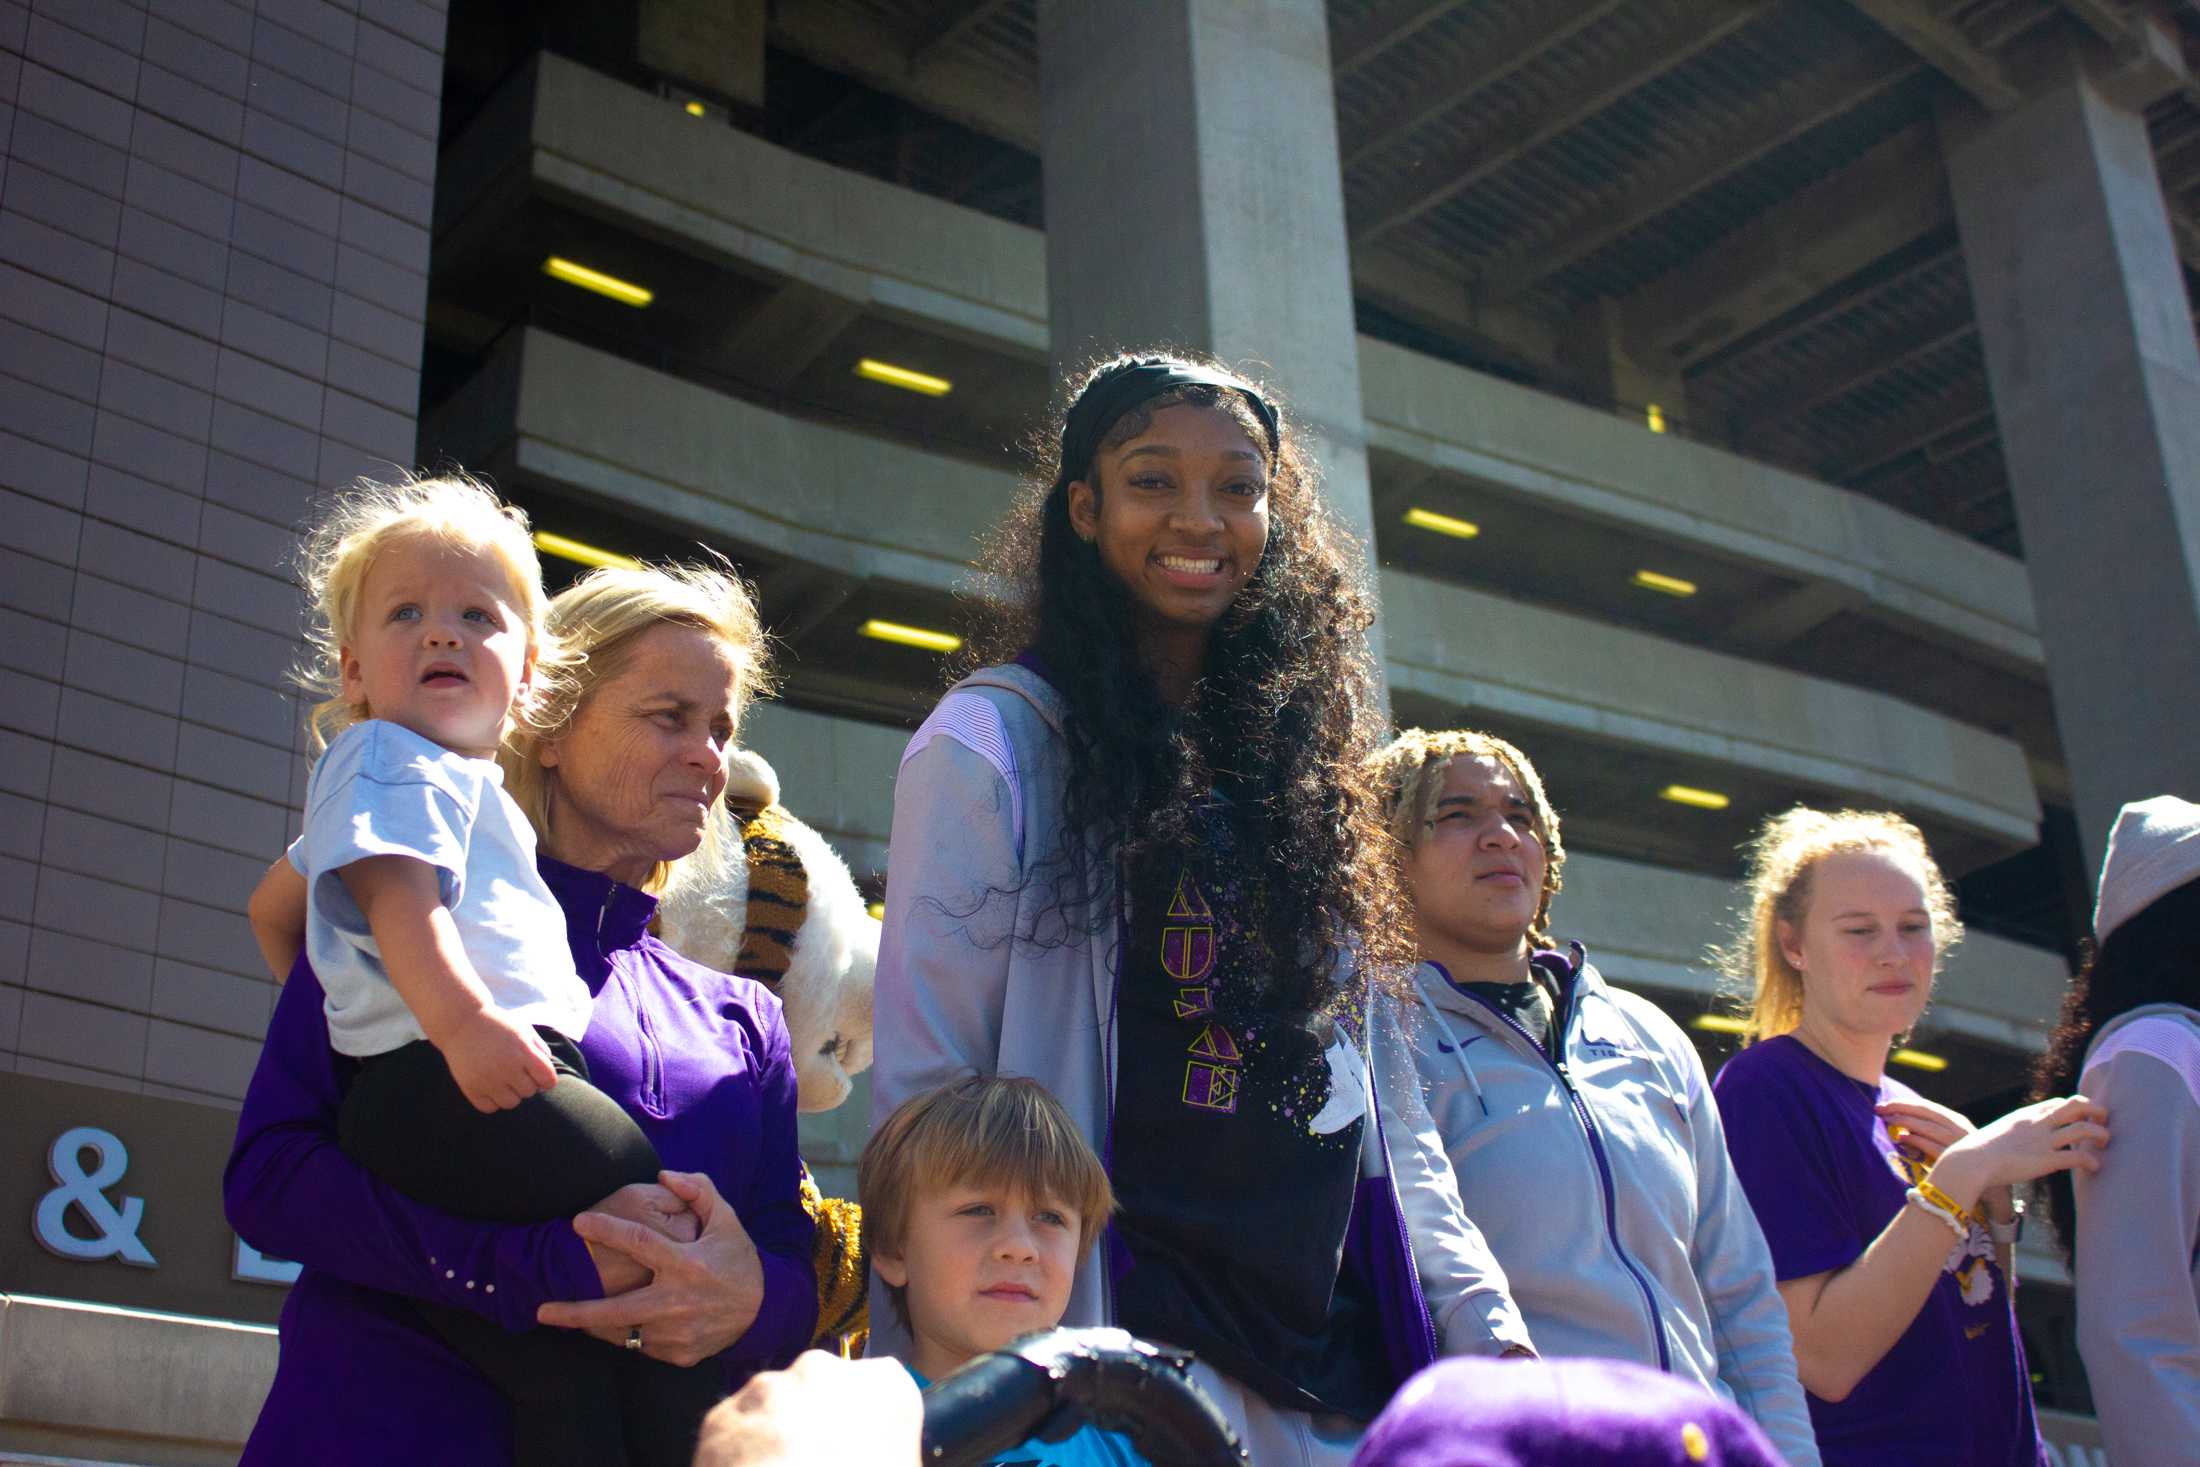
{"x": 1541, "y": 1413}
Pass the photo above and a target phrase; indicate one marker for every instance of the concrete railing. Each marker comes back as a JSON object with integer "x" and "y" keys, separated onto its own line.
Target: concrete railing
{"x": 1654, "y": 928}
{"x": 614, "y": 149}
{"x": 1593, "y": 465}
{"x": 1646, "y": 925}
{"x": 609, "y": 428}
{"x": 94, "y": 1383}
{"x": 827, "y": 496}
{"x": 1633, "y": 689}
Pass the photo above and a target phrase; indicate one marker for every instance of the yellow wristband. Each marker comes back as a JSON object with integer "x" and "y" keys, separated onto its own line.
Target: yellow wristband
{"x": 1942, "y": 1200}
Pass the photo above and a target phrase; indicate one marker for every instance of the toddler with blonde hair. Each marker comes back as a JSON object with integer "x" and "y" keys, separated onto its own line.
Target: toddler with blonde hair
{"x": 441, "y": 950}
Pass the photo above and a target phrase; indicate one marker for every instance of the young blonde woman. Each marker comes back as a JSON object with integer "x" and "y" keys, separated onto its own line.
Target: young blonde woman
{"x": 1889, "y": 1217}
{"x": 1577, "y": 1116}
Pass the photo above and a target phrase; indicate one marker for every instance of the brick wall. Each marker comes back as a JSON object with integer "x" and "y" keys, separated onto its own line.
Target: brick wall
{"x": 213, "y": 256}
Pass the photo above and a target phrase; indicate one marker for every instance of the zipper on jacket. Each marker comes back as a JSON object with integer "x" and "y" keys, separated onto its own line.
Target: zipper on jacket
{"x": 653, "y": 1070}
{"x": 1596, "y": 1150}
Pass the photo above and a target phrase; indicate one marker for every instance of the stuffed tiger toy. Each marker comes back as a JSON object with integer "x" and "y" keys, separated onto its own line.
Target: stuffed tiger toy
{"x": 788, "y": 914}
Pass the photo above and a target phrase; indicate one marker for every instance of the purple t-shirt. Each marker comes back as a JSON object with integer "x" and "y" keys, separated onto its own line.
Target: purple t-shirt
{"x": 1825, "y": 1181}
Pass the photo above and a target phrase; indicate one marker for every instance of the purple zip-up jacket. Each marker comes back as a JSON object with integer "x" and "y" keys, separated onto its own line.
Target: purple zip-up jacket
{"x": 699, "y": 1058}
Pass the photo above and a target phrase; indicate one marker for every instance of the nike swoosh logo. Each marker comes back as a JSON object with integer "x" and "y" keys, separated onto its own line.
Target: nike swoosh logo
{"x": 1443, "y": 1048}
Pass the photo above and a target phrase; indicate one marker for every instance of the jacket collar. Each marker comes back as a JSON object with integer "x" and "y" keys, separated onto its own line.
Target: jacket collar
{"x": 602, "y": 916}
{"x": 1570, "y": 969}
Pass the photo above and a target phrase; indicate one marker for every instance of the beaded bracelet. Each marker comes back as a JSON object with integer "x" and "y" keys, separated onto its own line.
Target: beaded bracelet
{"x": 1944, "y": 1202}
{"x": 1934, "y": 1209}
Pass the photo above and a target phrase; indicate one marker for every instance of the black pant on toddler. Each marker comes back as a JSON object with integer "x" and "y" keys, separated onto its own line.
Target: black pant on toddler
{"x": 576, "y": 1402}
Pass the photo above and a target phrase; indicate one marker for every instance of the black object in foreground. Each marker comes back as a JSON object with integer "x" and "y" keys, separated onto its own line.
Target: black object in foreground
{"x": 1049, "y": 1385}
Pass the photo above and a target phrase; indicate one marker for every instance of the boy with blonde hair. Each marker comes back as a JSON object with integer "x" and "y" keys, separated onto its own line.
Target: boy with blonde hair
{"x": 981, "y": 1200}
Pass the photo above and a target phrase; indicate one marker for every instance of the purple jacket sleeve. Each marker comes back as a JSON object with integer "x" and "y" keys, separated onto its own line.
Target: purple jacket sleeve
{"x": 291, "y": 1192}
{"x": 771, "y": 1209}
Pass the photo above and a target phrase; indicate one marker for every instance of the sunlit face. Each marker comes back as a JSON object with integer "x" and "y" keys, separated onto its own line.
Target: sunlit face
{"x": 634, "y": 776}
{"x": 1180, "y": 518}
{"x": 439, "y": 643}
{"x": 1477, "y": 868}
{"x": 1865, "y": 946}
{"x": 983, "y": 1263}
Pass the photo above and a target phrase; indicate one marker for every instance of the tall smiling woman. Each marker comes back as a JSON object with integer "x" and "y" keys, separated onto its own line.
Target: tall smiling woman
{"x": 1137, "y": 859}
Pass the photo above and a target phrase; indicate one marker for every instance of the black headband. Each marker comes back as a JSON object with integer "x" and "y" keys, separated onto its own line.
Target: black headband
{"x": 1119, "y": 389}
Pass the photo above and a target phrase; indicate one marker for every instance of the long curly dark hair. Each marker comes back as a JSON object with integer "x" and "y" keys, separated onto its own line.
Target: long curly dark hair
{"x": 2153, "y": 957}
{"x": 1281, "y": 721}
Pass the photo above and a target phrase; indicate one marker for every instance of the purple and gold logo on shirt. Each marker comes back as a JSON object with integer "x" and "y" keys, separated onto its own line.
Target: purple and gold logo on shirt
{"x": 1188, "y": 950}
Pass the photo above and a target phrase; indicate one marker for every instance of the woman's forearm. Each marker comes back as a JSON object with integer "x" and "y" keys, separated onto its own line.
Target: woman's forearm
{"x": 1845, "y": 1322}
{"x": 290, "y": 1191}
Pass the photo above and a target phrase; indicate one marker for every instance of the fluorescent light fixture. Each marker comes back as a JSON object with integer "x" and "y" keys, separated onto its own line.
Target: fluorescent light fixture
{"x": 1718, "y": 1024}
{"x": 695, "y": 108}
{"x": 877, "y": 911}
{"x": 906, "y": 378}
{"x": 1918, "y": 1059}
{"x": 1688, "y": 794}
{"x": 625, "y": 292}
{"x": 582, "y": 553}
{"x": 1442, "y": 524}
{"x": 908, "y": 636}
{"x": 1651, "y": 580}
{"x": 1655, "y": 417}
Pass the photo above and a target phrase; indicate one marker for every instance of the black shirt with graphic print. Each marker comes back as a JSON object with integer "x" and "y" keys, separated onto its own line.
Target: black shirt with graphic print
{"x": 1234, "y": 1209}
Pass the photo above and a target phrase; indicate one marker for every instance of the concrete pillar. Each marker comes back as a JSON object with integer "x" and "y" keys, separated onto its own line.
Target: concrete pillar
{"x": 1194, "y": 196}
{"x": 2096, "y": 382}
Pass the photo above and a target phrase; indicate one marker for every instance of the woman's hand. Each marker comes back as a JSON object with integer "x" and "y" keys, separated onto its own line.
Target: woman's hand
{"x": 2026, "y": 1144}
{"x": 1929, "y": 1129}
{"x": 655, "y": 1207}
{"x": 1925, "y": 1126}
{"x": 701, "y": 1296}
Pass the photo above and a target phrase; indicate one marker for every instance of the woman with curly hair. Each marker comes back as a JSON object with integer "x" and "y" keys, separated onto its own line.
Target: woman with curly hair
{"x": 1138, "y": 859}
{"x": 2130, "y": 1038}
{"x": 1577, "y": 1115}
{"x": 1889, "y": 1217}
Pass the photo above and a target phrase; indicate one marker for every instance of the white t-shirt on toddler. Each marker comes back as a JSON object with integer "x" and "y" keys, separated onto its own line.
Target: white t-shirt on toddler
{"x": 383, "y": 790}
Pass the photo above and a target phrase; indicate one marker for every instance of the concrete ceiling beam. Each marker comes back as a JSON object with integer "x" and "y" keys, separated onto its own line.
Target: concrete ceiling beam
{"x": 1441, "y": 302}
{"x": 1552, "y": 27}
{"x": 1856, "y": 368}
{"x": 1617, "y": 76}
{"x": 1835, "y": 90}
{"x": 1953, "y": 417}
{"x": 1888, "y": 199}
{"x": 1814, "y": 313}
{"x": 948, "y": 26}
{"x": 983, "y": 98}
{"x": 1354, "y": 47}
{"x": 1947, "y": 49}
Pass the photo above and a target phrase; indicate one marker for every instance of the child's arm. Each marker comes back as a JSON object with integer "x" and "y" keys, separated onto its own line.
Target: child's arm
{"x": 498, "y": 1063}
{"x": 277, "y": 912}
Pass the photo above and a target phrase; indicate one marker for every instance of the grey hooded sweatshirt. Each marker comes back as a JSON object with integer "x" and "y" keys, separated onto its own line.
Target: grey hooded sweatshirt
{"x": 962, "y": 987}
{"x": 1602, "y": 1183}
{"x": 2138, "y": 1259}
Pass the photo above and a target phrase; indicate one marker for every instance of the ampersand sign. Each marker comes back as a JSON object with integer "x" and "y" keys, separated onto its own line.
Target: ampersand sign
{"x": 88, "y": 1194}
